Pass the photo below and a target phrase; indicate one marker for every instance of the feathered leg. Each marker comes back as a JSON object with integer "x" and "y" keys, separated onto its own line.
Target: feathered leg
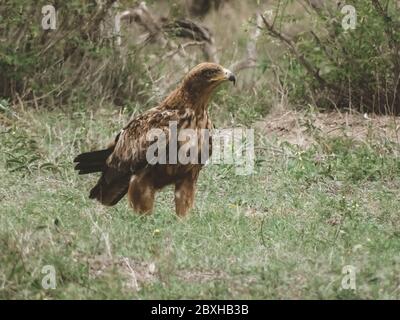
{"x": 184, "y": 194}
{"x": 141, "y": 194}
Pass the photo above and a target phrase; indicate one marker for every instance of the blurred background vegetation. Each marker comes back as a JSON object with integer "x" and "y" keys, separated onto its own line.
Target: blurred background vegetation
{"x": 298, "y": 54}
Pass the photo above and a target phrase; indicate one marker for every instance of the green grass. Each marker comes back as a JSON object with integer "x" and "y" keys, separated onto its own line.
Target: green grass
{"x": 284, "y": 232}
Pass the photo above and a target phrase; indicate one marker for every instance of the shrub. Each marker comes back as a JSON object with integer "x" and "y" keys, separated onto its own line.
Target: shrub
{"x": 78, "y": 59}
{"x": 332, "y": 67}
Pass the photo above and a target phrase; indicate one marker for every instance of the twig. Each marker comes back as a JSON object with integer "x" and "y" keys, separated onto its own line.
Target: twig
{"x": 133, "y": 275}
{"x": 181, "y": 47}
{"x": 292, "y": 47}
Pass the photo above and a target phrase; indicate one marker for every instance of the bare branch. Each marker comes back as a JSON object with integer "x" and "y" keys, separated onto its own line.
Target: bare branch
{"x": 192, "y": 30}
{"x": 142, "y": 16}
{"x": 181, "y": 49}
{"x": 292, "y": 47}
{"x": 163, "y": 30}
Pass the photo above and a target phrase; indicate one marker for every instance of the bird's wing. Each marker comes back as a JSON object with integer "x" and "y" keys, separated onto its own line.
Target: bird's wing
{"x": 129, "y": 154}
{"x": 134, "y": 140}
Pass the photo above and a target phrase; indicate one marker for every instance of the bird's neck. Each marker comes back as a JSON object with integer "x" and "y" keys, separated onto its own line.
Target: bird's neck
{"x": 185, "y": 96}
{"x": 195, "y": 98}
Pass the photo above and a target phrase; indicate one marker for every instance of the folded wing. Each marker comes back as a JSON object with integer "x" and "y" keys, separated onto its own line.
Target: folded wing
{"x": 125, "y": 156}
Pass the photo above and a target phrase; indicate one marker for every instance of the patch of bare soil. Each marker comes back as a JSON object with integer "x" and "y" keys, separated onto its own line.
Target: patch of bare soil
{"x": 302, "y": 128}
{"x": 136, "y": 273}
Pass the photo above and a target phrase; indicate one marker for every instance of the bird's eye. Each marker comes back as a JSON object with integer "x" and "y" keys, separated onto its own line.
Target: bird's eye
{"x": 210, "y": 73}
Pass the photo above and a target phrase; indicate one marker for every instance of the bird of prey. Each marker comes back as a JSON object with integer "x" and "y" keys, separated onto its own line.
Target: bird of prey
{"x": 125, "y": 165}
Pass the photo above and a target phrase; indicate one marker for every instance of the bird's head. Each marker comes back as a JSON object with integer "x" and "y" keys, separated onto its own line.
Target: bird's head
{"x": 205, "y": 77}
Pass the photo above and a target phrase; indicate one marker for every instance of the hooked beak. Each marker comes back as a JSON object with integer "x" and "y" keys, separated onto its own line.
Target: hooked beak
{"x": 229, "y": 75}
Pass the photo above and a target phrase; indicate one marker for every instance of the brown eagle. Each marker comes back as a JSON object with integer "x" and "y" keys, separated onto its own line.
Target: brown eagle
{"x": 125, "y": 166}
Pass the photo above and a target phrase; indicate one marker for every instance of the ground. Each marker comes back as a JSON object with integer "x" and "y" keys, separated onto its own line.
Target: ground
{"x": 286, "y": 231}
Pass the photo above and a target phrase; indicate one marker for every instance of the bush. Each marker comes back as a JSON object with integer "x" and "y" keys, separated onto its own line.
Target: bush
{"x": 77, "y": 60}
{"x": 332, "y": 67}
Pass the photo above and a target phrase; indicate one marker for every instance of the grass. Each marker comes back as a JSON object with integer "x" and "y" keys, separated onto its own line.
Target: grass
{"x": 284, "y": 232}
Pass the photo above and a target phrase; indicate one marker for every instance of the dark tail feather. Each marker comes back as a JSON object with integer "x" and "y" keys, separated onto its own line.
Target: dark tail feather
{"x": 110, "y": 193}
{"x": 94, "y": 156}
{"x": 94, "y": 161}
{"x": 90, "y": 167}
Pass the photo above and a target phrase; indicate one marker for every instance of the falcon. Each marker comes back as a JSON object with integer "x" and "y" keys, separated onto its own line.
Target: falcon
{"x": 127, "y": 165}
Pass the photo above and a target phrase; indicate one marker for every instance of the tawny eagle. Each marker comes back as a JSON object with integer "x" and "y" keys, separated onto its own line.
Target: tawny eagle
{"x": 124, "y": 165}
